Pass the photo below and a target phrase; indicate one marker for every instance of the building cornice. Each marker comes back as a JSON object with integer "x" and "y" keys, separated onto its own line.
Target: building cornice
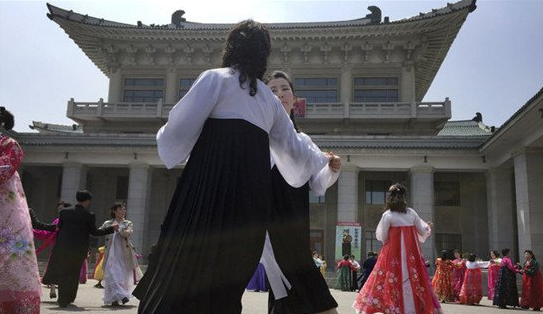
{"x": 148, "y": 141}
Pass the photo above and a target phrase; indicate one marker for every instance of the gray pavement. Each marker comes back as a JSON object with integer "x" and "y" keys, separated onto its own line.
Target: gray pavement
{"x": 89, "y": 300}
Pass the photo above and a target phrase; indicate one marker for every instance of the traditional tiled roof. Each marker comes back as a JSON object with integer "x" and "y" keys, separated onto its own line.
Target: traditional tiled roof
{"x": 118, "y": 141}
{"x": 400, "y": 142}
{"x": 511, "y": 119}
{"x": 55, "y": 128}
{"x": 464, "y": 128}
{"x": 436, "y": 29}
{"x": 56, "y": 12}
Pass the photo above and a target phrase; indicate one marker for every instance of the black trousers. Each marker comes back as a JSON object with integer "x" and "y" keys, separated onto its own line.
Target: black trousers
{"x": 67, "y": 288}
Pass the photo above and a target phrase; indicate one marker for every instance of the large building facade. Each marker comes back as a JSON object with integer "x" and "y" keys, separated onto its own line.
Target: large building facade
{"x": 363, "y": 81}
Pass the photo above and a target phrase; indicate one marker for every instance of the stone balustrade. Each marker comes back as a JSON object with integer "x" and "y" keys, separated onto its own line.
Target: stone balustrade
{"x": 355, "y": 110}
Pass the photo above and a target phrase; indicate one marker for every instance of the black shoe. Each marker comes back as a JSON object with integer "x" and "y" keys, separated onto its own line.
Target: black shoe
{"x": 99, "y": 285}
{"x": 125, "y": 300}
{"x": 62, "y": 305}
{"x": 52, "y": 295}
{"x": 115, "y": 303}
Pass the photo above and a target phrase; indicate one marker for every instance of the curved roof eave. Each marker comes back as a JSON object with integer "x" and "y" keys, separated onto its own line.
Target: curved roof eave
{"x": 56, "y": 12}
{"x": 438, "y": 27}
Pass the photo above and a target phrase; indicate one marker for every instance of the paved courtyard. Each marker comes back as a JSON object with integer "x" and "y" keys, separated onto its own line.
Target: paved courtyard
{"x": 89, "y": 300}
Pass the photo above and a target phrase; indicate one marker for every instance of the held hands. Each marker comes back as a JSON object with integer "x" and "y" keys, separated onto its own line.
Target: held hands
{"x": 334, "y": 161}
{"x": 115, "y": 226}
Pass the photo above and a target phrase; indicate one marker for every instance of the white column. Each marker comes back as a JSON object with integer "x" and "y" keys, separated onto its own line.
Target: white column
{"x": 499, "y": 192}
{"x": 115, "y": 93}
{"x": 74, "y": 177}
{"x": 348, "y": 195}
{"x": 422, "y": 200}
{"x": 407, "y": 85}
{"x": 172, "y": 87}
{"x": 346, "y": 89}
{"x": 529, "y": 195}
{"x": 138, "y": 197}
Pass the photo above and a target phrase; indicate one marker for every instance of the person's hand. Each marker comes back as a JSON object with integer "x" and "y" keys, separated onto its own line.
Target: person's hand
{"x": 334, "y": 161}
{"x": 430, "y": 224}
{"x": 115, "y": 226}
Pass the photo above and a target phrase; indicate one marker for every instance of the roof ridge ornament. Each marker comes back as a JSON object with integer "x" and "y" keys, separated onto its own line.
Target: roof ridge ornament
{"x": 178, "y": 19}
{"x": 375, "y": 15}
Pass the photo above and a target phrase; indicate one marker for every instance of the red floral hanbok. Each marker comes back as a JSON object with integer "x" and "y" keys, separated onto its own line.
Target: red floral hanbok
{"x": 532, "y": 286}
{"x": 443, "y": 280}
{"x": 397, "y": 283}
{"x": 458, "y": 276}
{"x": 493, "y": 271}
{"x": 472, "y": 289}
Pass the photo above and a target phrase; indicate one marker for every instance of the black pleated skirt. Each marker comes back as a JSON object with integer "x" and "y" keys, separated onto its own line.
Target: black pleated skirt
{"x": 213, "y": 234}
{"x": 289, "y": 234}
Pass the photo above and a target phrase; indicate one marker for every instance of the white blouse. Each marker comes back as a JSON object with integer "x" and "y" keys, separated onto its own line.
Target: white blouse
{"x": 216, "y": 94}
{"x": 396, "y": 219}
{"x": 476, "y": 264}
{"x": 321, "y": 181}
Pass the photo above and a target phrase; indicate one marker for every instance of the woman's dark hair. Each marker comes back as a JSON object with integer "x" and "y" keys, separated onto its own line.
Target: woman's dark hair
{"x": 505, "y": 251}
{"x": 283, "y": 75}
{"x": 445, "y": 255}
{"x": 114, "y": 208}
{"x": 247, "y": 50}
{"x": 396, "y": 198}
{"x": 346, "y": 257}
{"x": 496, "y": 253}
{"x": 471, "y": 257}
{"x": 530, "y": 252}
{"x": 6, "y": 119}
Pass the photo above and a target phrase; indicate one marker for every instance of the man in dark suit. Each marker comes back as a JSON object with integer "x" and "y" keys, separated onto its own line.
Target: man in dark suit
{"x": 75, "y": 225}
{"x": 368, "y": 266}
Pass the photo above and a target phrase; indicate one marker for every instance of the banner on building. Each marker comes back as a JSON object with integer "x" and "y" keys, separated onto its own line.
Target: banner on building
{"x": 348, "y": 237}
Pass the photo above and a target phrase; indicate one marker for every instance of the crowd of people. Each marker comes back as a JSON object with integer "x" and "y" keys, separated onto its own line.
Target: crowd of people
{"x": 460, "y": 280}
{"x": 243, "y": 197}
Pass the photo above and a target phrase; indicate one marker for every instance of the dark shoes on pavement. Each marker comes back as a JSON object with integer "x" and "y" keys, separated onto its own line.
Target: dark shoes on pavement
{"x": 116, "y": 303}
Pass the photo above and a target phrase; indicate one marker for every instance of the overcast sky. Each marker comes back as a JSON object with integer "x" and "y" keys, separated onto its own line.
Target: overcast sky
{"x": 494, "y": 66}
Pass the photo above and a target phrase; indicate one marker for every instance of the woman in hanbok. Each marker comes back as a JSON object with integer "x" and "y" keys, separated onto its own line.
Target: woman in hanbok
{"x": 443, "y": 278}
{"x": 20, "y": 288}
{"x": 229, "y": 122}
{"x": 532, "y": 283}
{"x": 472, "y": 289}
{"x": 323, "y": 267}
{"x": 458, "y": 275}
{"x": 493, "y": 270}
{"x": 344, "y": 274}
{"x": 98, "y": 273}
{"x": 296, "y": 286}
{"x": 398, "y": 283}
{"x": 119, "y": 262}
{"x": 506, "y": 292}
